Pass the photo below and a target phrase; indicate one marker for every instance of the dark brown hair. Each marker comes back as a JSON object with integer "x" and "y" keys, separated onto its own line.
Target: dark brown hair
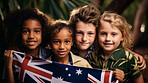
{"x": 56, "y": 26}
{"x": 14, "y": 24}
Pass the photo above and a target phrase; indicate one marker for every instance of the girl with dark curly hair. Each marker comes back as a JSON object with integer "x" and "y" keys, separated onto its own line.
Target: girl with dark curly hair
{"x": 26, "y": 33}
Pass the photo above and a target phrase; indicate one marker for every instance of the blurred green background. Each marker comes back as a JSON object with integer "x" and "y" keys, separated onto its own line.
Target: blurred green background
{"x": 135, "y": 12}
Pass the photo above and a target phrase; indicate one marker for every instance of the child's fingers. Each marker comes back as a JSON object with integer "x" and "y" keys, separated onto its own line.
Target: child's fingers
{"x": 141, "y": 59}
{"x": 142, "y": 67}
{"x": 142, "y": 63}
{"x": 8, "y": 53}
{"x": 119, "y": 74}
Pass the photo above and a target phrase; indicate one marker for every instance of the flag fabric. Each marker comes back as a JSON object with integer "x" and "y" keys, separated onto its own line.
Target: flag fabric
{"x": 29, "y": 69}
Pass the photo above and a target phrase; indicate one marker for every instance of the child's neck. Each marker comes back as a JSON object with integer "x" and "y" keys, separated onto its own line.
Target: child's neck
{"x": 34, "y": 52}
{"x": 64, "y": 60}
{"x": 107, "y": 54}
{"x": 83, "y": 53}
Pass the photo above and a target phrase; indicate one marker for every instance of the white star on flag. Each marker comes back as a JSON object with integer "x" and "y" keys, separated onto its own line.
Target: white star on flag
{"x": 60, "y": 78}
{"x": 66, "y": 69}
{"x": 79, "y": 72}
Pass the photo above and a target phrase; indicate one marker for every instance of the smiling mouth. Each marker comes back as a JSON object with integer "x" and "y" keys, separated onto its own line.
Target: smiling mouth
{"x": 31, "y": 43}
{"x": 107, "y": 44}
{"x": 83, "y": 43}
{"x": 61, "y": 52}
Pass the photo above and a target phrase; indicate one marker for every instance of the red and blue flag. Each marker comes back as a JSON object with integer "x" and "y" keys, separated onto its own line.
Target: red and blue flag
{"x": 29, "y": 69}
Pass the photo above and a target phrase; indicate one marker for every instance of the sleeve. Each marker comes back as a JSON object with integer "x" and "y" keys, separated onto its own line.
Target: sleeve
{"x": 93, "y": 60}
{"x": 135, "y": 71}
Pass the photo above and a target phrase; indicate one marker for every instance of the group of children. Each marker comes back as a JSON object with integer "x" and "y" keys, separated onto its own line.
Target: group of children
{"x": 86, "y": 40}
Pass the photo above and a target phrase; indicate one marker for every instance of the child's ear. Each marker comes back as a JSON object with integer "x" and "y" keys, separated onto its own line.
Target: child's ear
{"x": 122, "y": 38}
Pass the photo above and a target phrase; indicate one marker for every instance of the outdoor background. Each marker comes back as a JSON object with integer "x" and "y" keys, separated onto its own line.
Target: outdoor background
{"x": 135, "y": 12}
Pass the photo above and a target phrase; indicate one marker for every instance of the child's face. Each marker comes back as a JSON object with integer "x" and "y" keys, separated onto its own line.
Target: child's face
{"x": 85, "y": 35}
{"x": 109, "y": 37}
{"x": 31, "y": 34}
{"x": 61, "y": 43}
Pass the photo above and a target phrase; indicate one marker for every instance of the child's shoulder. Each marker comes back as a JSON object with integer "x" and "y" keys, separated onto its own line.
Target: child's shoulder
{"x": 79, "y": 61}
{"x": 77, "y": 58}
{"x": 124, "y": 54}
{"x": 129, "y": 55}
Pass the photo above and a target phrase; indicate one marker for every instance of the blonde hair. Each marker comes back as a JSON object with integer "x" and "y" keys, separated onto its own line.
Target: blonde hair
{"x": 119, "y": 22}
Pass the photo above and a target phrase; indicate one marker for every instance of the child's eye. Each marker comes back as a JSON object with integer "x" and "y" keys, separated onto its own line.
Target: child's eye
{"x": 56, "y": 42}
{"x": 79, "y": 33}
{"x": 103, "y": 34}
{"x": 90, "y": 33}
{"x": 37, "y": 31}
{"x": 67, "y": 42}
{"x": 114, "y": 34}
{"x": 25, "y": 31}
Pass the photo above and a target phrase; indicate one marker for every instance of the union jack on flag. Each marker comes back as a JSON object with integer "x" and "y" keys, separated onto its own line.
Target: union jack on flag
{"x": 29, "y": 69}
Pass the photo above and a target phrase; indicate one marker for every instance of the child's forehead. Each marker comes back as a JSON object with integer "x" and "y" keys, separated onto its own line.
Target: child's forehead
{"x": 63, "y": 33}
{"x": 65, "y": 29}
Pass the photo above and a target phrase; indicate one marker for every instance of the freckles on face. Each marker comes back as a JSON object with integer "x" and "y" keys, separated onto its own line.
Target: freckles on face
{"x": 85, "y": 35}
{"x": 109, "y": 36}
{"x": 61, "y": 43}
{"x": 31, "y": 34}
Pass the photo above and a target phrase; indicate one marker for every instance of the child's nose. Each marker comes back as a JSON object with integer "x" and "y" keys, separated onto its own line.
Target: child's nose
{"x": 31, "y": 35}
{"x": 61, "y": 46}
{"x": 84, "y": 37}
{"x": 108, "y": 38}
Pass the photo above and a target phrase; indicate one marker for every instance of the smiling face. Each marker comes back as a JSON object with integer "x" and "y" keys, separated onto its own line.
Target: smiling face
{"x": 109, "y": 37}
{"x": 61, "y": 43}
{"x": 85, "y": 35}
{"x": 31, "y": 34}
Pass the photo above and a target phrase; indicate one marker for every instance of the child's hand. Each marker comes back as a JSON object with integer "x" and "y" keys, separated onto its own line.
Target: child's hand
{"x": 141, "y": 62}
{"x": 8, "y": 58}
{"x": 119, "y": 75}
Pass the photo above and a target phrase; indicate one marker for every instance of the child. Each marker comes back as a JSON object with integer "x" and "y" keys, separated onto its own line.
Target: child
{"x": 26, "y": 33}
{"x": 84, "y": 21}
{"x": 114, "y": 36}
{"x": 61, "y": 40}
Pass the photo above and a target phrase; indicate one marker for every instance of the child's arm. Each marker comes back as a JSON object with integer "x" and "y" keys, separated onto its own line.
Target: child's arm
{"x": 140, "y": 58}
{"x": 9, "y": 71}
{"x": 119, "y": 75}
{"x": 139, "y": 79}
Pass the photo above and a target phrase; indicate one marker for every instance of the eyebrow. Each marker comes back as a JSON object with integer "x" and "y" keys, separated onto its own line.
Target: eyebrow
{"x": 28, "y": 28}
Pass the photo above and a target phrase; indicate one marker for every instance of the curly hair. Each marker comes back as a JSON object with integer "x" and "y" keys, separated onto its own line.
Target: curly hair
{"x": 15, "y": 21}
{"x": 56, "y": 27}
{"x": 86, "y": 14}
{"x": 119, "y": 22}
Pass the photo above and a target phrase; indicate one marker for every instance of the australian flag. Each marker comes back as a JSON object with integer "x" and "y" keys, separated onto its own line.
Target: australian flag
{"x": 29, "y": 69}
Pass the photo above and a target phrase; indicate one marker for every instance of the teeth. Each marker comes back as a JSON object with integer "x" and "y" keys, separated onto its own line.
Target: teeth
{"x": 61, "y": 53}
{"x": 31, "y": 43}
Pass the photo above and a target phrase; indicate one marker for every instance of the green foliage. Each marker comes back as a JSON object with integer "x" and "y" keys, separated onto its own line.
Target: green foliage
{"x": 58, "y": 9}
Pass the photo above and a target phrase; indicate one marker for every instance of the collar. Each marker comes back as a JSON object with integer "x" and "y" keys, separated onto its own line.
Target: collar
{"x": 75, "y": 58}
{"x": 75, "y": 50}
{"x": 119, "y": 53}
{"x": 42, "y": 53}
{"x": 70, "y": 58}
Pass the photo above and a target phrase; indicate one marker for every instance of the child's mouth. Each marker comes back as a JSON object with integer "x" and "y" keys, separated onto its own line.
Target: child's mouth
{"x": 31, "y": 43}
